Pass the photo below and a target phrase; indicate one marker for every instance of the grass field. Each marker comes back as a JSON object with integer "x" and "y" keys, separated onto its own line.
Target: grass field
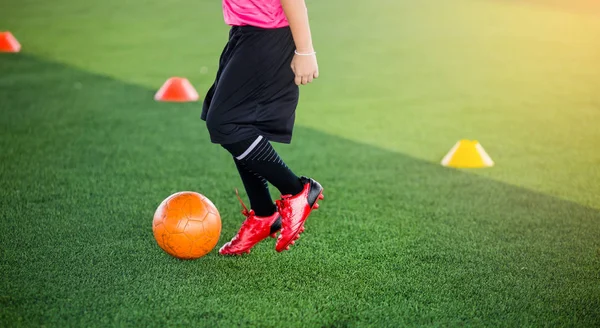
{"x": 87, "y": 155}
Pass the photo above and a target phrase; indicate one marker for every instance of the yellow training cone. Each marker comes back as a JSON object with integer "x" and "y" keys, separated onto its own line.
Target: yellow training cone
{"x": 467, "y": 154}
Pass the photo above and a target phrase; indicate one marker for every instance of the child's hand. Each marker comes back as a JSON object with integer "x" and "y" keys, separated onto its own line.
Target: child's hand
{"x": 305, "y": 68}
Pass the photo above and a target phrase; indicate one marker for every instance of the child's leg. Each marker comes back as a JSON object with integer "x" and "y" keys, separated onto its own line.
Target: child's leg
{"x": 258, "y": 156}
{"x": 299, "y": 195}
{"x": 257, "y": 189}
{"x": 262, "y": 221}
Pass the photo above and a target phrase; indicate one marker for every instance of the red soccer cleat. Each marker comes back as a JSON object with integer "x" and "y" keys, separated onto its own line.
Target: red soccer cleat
{"x": 253, "y": 230}
{"x": 295, "y": 210}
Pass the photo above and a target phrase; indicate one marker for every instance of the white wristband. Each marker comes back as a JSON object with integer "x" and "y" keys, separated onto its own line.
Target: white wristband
{"x": 307, "y": 54}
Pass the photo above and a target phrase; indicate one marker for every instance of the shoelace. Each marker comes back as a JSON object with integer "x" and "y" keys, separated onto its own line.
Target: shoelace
{"x": 247, "y": 213}
{"x": 284, "y": 204}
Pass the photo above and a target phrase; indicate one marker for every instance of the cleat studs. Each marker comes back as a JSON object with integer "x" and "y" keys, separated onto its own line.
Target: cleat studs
{"x": 274, "y": 235}
{"x": 316, "y": 207}
{"x": 287, "y": 248}
{"x": 321, "y": 197}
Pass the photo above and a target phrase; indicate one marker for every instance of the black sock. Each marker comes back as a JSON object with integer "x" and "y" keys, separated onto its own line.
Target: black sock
{"x": 257, "y": 189}
{"x": 258, "y": 156}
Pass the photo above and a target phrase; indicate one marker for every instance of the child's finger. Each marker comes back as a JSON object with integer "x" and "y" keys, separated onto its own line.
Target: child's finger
{"x": 298, "y": 80}
{"x": 309, "y": 78}
{"x": 304, "y": 80}
{"x": 316, "y": 74}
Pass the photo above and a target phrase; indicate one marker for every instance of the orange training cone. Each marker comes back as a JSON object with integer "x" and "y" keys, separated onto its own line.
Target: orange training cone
{"x": 8, "y": 43}
{"x": 467, "y": 154}
{"x": 176, "y": 89}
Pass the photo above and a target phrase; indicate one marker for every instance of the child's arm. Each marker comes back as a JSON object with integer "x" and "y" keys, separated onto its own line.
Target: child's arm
{"x": 304, "y": 63}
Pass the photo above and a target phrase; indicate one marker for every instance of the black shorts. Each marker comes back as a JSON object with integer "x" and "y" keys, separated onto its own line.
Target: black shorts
{"x": 254, "y": 92}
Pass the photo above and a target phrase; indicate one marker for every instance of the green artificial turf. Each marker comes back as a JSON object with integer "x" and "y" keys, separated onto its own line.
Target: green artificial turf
{"x": 87, "y": 155}
{"x": 411, "y": 77}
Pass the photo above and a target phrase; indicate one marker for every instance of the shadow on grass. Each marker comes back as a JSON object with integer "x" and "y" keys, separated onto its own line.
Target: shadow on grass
{"x": 399, "y": 241}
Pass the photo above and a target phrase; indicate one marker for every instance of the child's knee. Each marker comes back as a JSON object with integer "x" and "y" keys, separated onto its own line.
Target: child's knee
{"x": 218, "y": 127}
{"x": 214, "y": 124}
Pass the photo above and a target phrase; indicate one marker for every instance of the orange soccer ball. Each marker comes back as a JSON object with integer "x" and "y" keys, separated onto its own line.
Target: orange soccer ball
{"x": 187, "y": 225}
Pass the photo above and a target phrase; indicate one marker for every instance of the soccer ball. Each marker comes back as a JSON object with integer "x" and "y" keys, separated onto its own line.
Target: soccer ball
{"x": 187, "y": 225}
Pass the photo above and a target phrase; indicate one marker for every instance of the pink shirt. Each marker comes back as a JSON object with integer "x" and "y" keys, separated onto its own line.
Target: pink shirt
{"x": 259, "y": 13}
